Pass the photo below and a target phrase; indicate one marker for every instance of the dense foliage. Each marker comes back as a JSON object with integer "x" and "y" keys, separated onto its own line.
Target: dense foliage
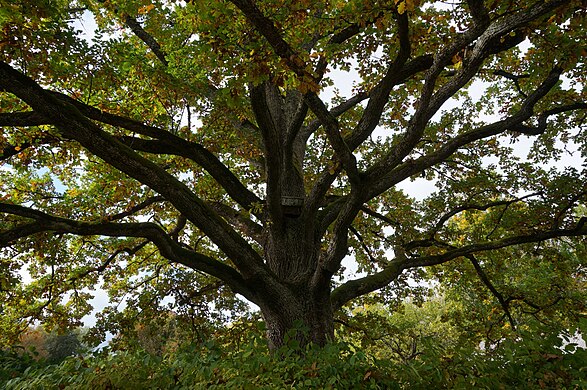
{"x": 187, "y": 157}
{"x": 529, "y": 363}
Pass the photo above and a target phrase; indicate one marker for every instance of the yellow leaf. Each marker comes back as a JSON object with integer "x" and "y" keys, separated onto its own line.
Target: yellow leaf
{"x": 457, "y": 61}
{"x": 17, "y": 148}
{"x": 401, "y": 8}
{"x": 73, "y": 192}
{"x": 146, "y": 9}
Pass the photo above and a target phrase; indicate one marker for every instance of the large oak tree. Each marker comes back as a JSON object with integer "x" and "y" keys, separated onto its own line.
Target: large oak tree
{"x": 209, "y": 138}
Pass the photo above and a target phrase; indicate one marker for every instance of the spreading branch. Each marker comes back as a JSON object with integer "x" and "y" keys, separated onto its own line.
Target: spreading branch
{"x": 167, "y": 246}
{"x": 485, "y": 279}
{"x": 385, "y": 180}
{"x": 479, "y": 42}
{"x": 395, "y": 267}
{"x": 165, "y": 143}
{"x": 76, "y": 126}
{"x": 470, "y": 206}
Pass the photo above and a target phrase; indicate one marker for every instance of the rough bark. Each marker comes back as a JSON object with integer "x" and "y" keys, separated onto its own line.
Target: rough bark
{"x": 307, "y": 317}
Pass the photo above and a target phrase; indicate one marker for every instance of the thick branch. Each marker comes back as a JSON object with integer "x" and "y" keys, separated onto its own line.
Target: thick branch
{"x": 358, "y": 287}
{"x": 168, "y": 248}
{"x": 22, "y": 118}
{"x": 265, "y": 100}
{"x": 266, "y": 27}
{"x": 240, "y": 221}
{"x": 379, "y": 96}
{"x": 168, "y": 144}
{"x": 381, "y": 181}
{"x": 477, "y": 43}
{"x": 323, "y": 183}
{"x": 341, "y": 149}
{"x": 203, "y": 157}
{"x": 74, "y": 125}
{"x": 337, "y": 248}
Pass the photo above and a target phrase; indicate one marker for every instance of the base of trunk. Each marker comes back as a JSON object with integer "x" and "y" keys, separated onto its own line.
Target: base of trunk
{"x": 299, "y": 327}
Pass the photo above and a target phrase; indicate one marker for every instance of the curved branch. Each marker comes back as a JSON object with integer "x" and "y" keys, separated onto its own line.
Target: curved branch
{"x": 543, "y": 117}
{"x": 357, "y": 287}
{"x": 380, "y": 94}
{"x": 168, "y": 248}
{"x": 485, "y": 279}
{"x": 363, "y": 244}
{"x": 166, "y": 143}
{"x": 383, "y": 180}
{"x": 367, "y": 284}
{"x": 579, "y": 230}
{"x": 23, "y": 119}
{"x": 102, "y": 267}
{"x": 266, "y": 27}
{"x": 341, "y": 149}
{"x": 131, "y": 210}
{"x": 76, "y": 126}
{"x": 172, "y": 144}
{"x": 485, "y": 206}
{"x": 204, "y": 158}
{"x": 324, "y": 181}
{"x": 477, "y": 44}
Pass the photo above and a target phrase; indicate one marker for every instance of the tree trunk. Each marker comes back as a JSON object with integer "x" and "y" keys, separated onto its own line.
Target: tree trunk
{"x": 300, "y": 307}
{"x": 305, "y": 319}
{"x": 295, "y": 305}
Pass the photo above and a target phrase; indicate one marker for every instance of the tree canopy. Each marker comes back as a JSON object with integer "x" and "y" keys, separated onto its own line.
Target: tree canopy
{"x": 184, "y": 154}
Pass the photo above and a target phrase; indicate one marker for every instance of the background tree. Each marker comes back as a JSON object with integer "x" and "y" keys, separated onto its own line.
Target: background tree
{"x": 190, "y": 144}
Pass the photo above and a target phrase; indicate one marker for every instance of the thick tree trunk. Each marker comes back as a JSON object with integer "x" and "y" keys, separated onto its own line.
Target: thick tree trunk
{"x": 295, "y": 303}
{"x": 306, "y": 319}
{"x": 300, "y": 306}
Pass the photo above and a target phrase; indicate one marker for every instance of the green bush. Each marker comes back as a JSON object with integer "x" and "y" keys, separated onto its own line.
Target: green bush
{"x": 527, "y": 363}
{"x": 14, "y": 363}
{"x": 212, "y": 366}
